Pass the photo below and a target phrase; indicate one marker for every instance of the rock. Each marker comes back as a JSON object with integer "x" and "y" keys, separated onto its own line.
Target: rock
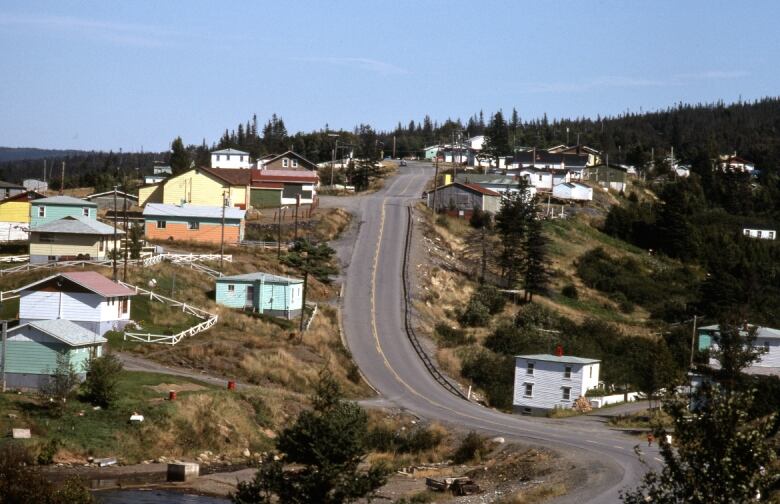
{"x": 498, "y": 440}
{"x": 246, "y": 453}
{"x": 21, "y": 433}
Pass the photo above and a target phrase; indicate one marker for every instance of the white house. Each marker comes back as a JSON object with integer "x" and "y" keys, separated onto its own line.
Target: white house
{"x": 476, "y": 142}
{"x": 735, "y": 163}
{"x": 231, "y": 158}
{"x": 766, "y": 338}
{"x": 763, "y": 234}
{"x": 573, "y": 191}
{"x": 86, "y": 298}
{"x": 544, "y": 180}
{"x": 544, "y": 382}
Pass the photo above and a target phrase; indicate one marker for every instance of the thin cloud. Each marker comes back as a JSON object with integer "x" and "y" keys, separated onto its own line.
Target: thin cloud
{"x": 366, "y": 64}
{"x": 618, "y": 81}
{"x": 128, "y": 34}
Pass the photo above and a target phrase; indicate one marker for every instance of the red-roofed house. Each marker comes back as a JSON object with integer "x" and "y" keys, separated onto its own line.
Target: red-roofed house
{"x": 460, "y": 199}
{"x": 735, "y": 163}
{"x": 274, "y": 188}
{"x": 86, "y": 298}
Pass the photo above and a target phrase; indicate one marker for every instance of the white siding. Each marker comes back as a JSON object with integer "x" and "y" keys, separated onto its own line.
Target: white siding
{"x": 46, "y": 305}
{"x": 590, "y": 377}
{"x": 771, "y": 358}
{"x": 39, "y": 305}
{"x": 235, "y": 161}
{"x": 549, "y": 380}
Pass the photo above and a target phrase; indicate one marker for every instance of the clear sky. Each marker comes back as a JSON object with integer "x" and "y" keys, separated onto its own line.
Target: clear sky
{"x": 109, "y": 75}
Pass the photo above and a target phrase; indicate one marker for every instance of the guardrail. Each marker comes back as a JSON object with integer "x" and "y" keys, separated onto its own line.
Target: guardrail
{"x": 264, "y": 244}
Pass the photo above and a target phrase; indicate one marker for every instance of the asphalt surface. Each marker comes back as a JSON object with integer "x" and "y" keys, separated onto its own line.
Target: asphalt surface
{"x": 373, "y": 323}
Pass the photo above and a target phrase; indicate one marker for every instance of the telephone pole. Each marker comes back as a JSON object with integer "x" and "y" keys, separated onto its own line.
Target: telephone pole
{"x": 114, "y": 277}
{"x": 222, "y": 238}
{"x": 127, "y": 236}
{"x": 436, "y": 182}
{"x": 62, "y": 179}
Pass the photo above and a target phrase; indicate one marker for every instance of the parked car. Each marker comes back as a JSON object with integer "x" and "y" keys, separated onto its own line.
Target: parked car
{"x": 403, "y": 163}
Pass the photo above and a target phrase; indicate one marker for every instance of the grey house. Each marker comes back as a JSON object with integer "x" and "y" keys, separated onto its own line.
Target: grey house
{"x": 459, "y": 199}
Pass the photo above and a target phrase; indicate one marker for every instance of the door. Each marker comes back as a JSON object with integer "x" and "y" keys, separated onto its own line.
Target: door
{"x": 250, "y": 296}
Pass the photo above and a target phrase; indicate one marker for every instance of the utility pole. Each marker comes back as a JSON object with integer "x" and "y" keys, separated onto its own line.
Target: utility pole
{"x": 44, "y": 170}
{"x": 693, "y": 341}
{"x": 114, "y": 277}
{"x": 297, "y": 206}
{"x": 62, "y": 179}
{"x": 436, "y": 182}
{"x": 393, "y": 146}
{"x": 127, "y": 236}
{"x": 303, "y": 300}
{"x": 279, "y": 233}
{"x": 222, "y": 238}
{"x": 4, "y": 337}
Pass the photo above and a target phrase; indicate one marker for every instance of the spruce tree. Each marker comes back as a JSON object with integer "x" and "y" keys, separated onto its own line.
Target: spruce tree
{"x": 180, "y": 158}
{"x": 536, "y": 272}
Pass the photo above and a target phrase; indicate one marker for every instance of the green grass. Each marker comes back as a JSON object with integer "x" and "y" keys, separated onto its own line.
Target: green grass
{"x": 159, "y": 318}
{"x": 593, "y": 307}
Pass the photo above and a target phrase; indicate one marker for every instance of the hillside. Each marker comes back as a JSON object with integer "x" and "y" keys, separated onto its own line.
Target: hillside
{"x": 32, "y": 153}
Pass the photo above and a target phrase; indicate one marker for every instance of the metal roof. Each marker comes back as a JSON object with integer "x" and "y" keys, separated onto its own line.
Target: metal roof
{"x": 64, "y": 200}
{"x": 10, "y": 185}
{"x": 66, "y": 331}
{"x": 258, "y": 276}
{"x": 230, "y": 151}
{"x": 479, "y": 178}
{"x": 196, "y": 211}
{"x": 90, "y": 280}
{"x": 76, "y": 224}
{"x": 761, "y": 332}
{"x": 564, "y": 359}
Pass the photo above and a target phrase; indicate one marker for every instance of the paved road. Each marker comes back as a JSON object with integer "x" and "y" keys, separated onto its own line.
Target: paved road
{"x": 373, "y": 325}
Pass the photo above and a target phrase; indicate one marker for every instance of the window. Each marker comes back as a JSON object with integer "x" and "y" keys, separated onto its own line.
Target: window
{"x": 285, "y": 162}
{"x": 294, "y": 163}
{"x": 85, "y": 212}
{"x": 241, "y": 158}
{"x": 102, "y": 245}
{"x": 51, "y": 258}
{"x": 193, "y": 226}
{"x": 759, "y": 234}
{"x": 529, "y": 389}
{"x": 567, "y": 372}
{"x": 566, "y": 396}
{"x": 41, "y": 211}
{"x": 231, "y": 288}
{"x": 46, "y": 238}
{"x": 591, "y": 371}
{"x": 161, "y": 224}
{"x": 217, "y": 157}
{"x": 530, "y": 368}
{"x": 227, "y": 158}
{"x": 540, "y": 178}
{"x": 746, "y": 232}
{"x": 766, "y": 346}
{"x": 771, "y": 235}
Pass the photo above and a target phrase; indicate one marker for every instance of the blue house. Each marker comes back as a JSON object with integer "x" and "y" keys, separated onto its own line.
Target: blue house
{"x": 45, "y": 210}
{"x": 263, "y": 293}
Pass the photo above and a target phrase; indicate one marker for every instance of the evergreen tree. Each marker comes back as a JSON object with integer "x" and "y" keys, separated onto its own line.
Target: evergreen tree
{"x": 180, "y": 158}
{"x": 511, "y": 226}
{"x": 536, "y": 272}
{"x": 496, "y": 138}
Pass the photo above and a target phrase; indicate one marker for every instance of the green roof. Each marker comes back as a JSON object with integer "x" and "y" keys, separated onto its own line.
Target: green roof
{"x": 566, "y": 359}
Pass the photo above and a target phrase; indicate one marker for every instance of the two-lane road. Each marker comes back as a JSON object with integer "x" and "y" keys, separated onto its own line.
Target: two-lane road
{"x": 373, "y": 319}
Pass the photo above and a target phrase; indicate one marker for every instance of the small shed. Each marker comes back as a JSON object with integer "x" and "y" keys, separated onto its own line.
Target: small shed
{"x": 610, "y": 176}
{"x": 461, "y": 199}
{"x": 573, "y": 191}
{"x": 35, "y": 185}
{"x": 32, "y": 351}
{"x": 262, "y": 293}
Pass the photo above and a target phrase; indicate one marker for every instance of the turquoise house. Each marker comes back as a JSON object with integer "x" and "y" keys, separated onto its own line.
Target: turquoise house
{"x": 262, "y": 293}
{"x": 32, "y": 351}
{"x": 45, "y": 210}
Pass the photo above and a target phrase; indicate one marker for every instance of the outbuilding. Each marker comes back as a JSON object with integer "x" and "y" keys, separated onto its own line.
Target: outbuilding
{"x": 461, "y": 199}
{"x": 262, "y": 293}
{"x": 573, "y": 191}
{"x": 544, "y": 382}
{"x": 32, "y": 350}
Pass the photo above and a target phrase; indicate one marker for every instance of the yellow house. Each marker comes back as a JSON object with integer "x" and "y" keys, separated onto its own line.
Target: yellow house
{"x": 15, "y": 216}
{"x": 71, "y": 238}
{"x": 200, "y": 186}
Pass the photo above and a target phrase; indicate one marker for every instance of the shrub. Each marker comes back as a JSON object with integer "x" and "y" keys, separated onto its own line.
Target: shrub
{"x": 451, "y": 337}
{"x": 492, "y": 298}
{"x": 442, "y": 221}
{"x": 385, "y": 439}
{"x": 47, "y": 452}
{"x": 475, "y": 315}
{"x": 100, "y": 387}
{"x": 570, "y": 291}
{"x": 492, "y": 373}
{"x": 473, "y": 448}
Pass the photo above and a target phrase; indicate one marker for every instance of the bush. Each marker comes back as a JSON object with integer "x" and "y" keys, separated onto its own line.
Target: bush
{"x": 475, "y": 315}
{"x": 47, "y": 452}
{"x": 385, "y": 439}
{"x": 492, "y": 298}
{"x": 570, "y": 291}
{"x": 473, "y": 448}
{"x": 100, "y": 387}
{"x": 21, "y": 483}
{"x": 492, "y": 373}
{"x": 451, "y": 337}
{"x": 442, "y": 221}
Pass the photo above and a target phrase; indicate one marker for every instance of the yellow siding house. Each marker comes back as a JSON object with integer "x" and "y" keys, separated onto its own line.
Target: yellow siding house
{"x": 15, "y": 216}
{"x": 200, "y": 186}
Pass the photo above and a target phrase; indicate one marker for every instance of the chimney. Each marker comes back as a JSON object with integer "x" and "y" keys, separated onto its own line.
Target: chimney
{"x": 559, "y": 350}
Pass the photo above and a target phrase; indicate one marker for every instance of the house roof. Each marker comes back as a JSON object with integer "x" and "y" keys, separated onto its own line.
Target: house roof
{"x": 230, "y": 151}
{"x": 613, "y": 166}
{"x": 258, "y": 276}
{"x": 572, "y": 185}
{"x": 187, "y": 210}
{"x": 565, "y": 359}
{"x": 471, "y": 187}
{"x": 76, "y": 224}
{"x": 64, "y": 200}
{"x": 544, "y": 157}
{"x": 9, "y": 185}
{"x": 271, "y": 159}
{"x": 260, "y": 176}
{"x": 66, "y": 331}
{"x": 233, "y": 176}
{"x": 111, "y": 193}
{"x": 479, "y": 178}
{"x": 761, "y": 332}
{"x": 28, "y": 195}
{"x": 90, "y": 280}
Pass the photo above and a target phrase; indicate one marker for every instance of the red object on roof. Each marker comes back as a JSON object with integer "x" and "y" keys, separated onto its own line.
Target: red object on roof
{"x": 559, "y": 351}
{"x": 94, "y": 281}
{"x": 298, "y": 176}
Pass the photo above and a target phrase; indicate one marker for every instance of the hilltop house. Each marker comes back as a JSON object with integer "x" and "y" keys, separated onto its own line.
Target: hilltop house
{"x": 231, "y": 158}
{"x": 70, "y": 238}
{"x": 611, "y": 176}
{"x": 275, "y": 188}
{"x": 45, "y": 210}
{"x": 286, "y": 161}
{"x": 200, "y": 186}
{"x": 15, "y": 216}
{"x": 86, "y": 298}
{"x": 545, "y": 382}
{"x": 262, "y": 293}
{"x": 732, "y": 162}
{"x": 460, "y": 199}
{"x": 766, "y": 338}
{"x": 193, "y": 223}
{"x": 762, "y": 234}
{"x": 32, "y": 349}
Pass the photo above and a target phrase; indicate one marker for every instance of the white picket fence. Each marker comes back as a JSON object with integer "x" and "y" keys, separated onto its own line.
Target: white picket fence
{"x": 208, "y": 319}
{"x": 14, "y": 259}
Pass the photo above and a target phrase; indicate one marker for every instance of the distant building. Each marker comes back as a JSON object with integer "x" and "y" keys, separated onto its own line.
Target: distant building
{"x": 503, "y": 184}
{"x": 200, "y": 186}
{"x": 7, "y": 189}
{"x": 460, "y": 199}
{"x": 610, "y": 176}
{"x": 476, "y": 142}
{"x": 72, "y": 238}
{"x": 15, "y": 216}
{"x": 763, "y": 234}
{"x": 275, "y": 188}
{"x": 105, "y": 200}
{"x": 431, "y": 151}
{"x": 262, "y": 293}
{"x": 33, "y": 348}
{"x": 45, "y": 210}
{"x": 545, "y": 382}
{"x": 732, "y": 162}
{"x": 230, "y": 158}
{"x": 36, "y": 185}
{"x": 573, "y": 191}
{"x": 544, "y": 179}
{"x": 196, "y": 223}
{"x": 766, "y": 338}
{"x": 286, "y": 161}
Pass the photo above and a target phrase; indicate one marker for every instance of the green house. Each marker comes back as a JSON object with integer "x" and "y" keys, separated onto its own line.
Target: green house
{"x": 263, "y": 293}
{"x": 45, "y": 210}
{"x": 32, "y": 351}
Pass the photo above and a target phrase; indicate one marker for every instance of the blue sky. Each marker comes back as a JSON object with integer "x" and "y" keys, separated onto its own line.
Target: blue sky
{"x": 110, "y": 75}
